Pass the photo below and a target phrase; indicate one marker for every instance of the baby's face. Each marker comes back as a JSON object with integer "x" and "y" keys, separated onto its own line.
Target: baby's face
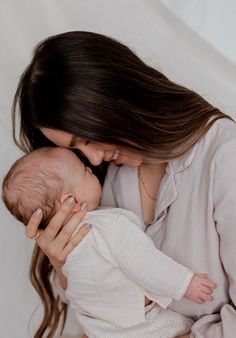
{"x": 79, "y": 180}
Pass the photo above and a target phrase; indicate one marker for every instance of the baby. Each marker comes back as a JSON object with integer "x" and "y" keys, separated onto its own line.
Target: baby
{"x": 116, "y": 267}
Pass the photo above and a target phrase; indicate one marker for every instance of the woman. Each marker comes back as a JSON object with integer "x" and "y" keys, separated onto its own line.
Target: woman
{"x": 172, "y": 155}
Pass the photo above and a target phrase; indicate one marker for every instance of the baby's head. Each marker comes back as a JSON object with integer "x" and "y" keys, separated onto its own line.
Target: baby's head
{"x": 43, "y": 179}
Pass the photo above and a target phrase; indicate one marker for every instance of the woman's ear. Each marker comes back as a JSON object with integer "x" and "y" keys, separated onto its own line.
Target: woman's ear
{"x": 77, "y": 200}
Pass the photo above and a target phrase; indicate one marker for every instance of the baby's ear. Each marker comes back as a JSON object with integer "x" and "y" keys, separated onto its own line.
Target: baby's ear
{"x": 64, "y": 197}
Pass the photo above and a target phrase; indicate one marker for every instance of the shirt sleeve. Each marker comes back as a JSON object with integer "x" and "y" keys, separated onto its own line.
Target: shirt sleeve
{"x": 161, "y": 278}
{"x": 223, "y": 324}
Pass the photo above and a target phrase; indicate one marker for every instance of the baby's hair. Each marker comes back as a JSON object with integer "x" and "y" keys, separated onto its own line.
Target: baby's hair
{"x": 34, "y": 182}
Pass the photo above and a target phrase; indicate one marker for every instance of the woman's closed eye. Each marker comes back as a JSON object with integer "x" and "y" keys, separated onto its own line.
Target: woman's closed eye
{"x": 87, "y": 142}
{"x": 74, "y": 141}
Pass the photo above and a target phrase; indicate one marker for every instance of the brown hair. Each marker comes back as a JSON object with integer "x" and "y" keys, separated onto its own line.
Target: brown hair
{"x": 94, "y": 87}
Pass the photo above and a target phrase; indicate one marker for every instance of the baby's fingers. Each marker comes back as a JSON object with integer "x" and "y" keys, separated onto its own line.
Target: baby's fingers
{"x": 77, "y": 238}
{"x": 205, "y": 297}
{"x": 208, "y": 283}
{"x": 206, "y": 290}
{"x": 198, "y": 300}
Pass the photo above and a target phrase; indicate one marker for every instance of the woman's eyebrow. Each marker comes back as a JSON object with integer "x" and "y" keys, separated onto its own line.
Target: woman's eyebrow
{"x": 73, "y": 141}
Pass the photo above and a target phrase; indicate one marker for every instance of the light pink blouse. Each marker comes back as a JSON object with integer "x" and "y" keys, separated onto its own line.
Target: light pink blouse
{"x": 195, "y": 221}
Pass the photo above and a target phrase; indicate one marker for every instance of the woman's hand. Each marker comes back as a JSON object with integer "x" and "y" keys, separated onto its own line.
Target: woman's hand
{"x": 55, "y": 240}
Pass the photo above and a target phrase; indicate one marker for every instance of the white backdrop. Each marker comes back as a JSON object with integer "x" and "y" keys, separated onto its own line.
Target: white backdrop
{"x": 191, "y": 41}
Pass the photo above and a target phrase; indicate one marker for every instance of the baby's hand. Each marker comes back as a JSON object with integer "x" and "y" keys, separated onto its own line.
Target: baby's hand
{"x": 200, "y": 289}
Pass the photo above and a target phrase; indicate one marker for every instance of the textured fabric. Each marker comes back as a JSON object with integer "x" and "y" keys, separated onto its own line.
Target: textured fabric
{"x": 159, "y": 323}
{"x": 113, "y": 269}
{"x": 195, "y": 221}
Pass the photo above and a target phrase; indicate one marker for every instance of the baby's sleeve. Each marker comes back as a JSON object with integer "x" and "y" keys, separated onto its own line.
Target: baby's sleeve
{"x": 161, "y": 278}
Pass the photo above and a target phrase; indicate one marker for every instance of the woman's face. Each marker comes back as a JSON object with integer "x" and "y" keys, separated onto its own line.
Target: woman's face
{"x": 94, "y": 151}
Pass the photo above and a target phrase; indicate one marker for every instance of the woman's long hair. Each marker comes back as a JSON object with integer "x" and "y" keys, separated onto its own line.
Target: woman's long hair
{"x": 94, "y": 87}
{"x": 41, "y": 272}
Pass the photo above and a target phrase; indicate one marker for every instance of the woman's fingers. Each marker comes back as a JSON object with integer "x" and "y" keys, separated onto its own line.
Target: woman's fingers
{"x": 59, "y": 255}
{"x": 55, "y": 237}
{"x": 77, "y": 238}
{"x": 59, "y": 219}
{"x": 34, "y": 222}
{"x": 68, "y": 229}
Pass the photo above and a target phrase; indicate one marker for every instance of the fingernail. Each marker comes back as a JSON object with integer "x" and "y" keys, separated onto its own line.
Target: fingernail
{"x": 83, "y": 206}
{"x": 38, "y": 212}
{"x": 70, "y": 201}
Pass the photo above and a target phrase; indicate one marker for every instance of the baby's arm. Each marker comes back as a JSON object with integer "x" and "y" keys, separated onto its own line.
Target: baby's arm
{"x": 161, "y": 278}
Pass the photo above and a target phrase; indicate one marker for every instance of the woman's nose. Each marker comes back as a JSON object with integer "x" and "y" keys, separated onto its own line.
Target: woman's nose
{"x": 94, "y": 156}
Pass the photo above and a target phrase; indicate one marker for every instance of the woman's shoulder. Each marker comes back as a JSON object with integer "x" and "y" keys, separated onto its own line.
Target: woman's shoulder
{"x": 218, "y": 146}
{"x": 220, "y": 138}
{"x": 226, "y": 135}
{"x": 227, "y": 125}
{"x": 221, "y": 135}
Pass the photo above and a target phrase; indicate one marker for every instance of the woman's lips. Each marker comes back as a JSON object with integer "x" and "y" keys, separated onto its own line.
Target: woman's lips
{"x": 118, "y": 160}
{"x": 114, "y": 156}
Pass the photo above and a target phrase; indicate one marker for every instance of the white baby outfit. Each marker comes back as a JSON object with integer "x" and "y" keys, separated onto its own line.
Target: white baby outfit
{"x": 110, "y": 273}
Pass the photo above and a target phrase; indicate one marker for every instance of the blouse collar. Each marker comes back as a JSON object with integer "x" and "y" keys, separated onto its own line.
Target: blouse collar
{"x": 181, "y": 163}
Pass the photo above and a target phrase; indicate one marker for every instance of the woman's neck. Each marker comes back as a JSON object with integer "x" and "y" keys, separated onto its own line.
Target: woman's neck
{"x": 150, "y": 177}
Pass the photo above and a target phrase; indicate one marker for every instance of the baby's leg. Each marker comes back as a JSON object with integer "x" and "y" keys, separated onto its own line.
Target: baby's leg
{"x": 166, "y": 323}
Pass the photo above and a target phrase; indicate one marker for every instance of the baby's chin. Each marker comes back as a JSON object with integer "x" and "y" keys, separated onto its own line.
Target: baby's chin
{"x": 93, "y": 205}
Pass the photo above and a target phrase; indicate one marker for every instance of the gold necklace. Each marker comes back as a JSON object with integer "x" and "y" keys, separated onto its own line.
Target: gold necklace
{"x": 144, "y": 185}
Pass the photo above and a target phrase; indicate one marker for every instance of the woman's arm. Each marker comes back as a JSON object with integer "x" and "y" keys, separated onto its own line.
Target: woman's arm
{"x": 223, "y": 324}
